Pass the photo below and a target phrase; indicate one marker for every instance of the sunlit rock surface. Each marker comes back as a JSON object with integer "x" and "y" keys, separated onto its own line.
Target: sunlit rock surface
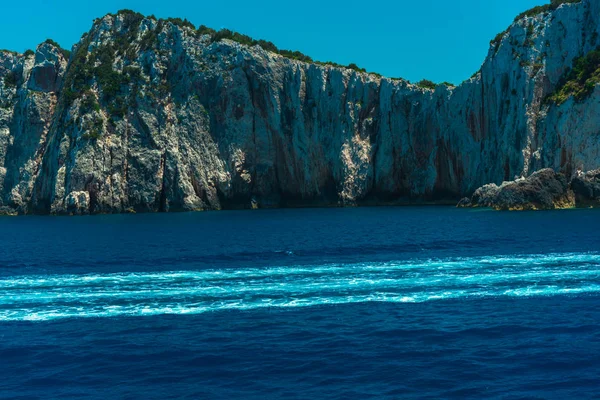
{"x": 149, "y": 115}
{"x": 542, "y": 190}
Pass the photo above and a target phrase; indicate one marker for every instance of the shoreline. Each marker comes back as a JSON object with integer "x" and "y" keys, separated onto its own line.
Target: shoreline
{"x": 315, "y": 207}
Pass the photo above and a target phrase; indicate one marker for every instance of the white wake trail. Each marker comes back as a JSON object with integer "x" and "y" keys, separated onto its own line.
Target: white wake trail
{"x": 191, "y": 292}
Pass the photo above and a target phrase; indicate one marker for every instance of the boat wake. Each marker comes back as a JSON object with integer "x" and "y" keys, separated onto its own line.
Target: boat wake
{"x": 190, "y": 292}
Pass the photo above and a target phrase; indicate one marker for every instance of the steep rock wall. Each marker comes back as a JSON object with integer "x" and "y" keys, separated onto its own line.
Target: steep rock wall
{"x": 151, "y": 116}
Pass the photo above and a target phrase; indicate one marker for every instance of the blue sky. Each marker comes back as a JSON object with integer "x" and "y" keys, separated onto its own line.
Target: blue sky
{"x": 435, "y": 39}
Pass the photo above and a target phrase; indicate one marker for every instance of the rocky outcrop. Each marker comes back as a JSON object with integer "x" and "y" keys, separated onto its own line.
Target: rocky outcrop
{"x": 153, "y": 115}
{"x": 586, "y": 187}
{"x": 543, "y": 190}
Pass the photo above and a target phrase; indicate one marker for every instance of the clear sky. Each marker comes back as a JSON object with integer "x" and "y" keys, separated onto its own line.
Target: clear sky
{"x": 435, "y": 39}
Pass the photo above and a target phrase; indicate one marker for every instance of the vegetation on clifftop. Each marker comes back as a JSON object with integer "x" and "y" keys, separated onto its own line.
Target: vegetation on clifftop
{"x": 553, "y": 5}
{"x": 426, "y": 84}
{"x": 81, "y": 70}
{"x": 580, "y": 80}
{"x": 216, "y": 36}
{"x": 116, "y": 87}
{"x": 66, "y": 53}
{"x": 246, "y": 40}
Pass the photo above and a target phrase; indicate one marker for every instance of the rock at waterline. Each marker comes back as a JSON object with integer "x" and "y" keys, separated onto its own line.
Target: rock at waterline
{"x": 543, "y": 190}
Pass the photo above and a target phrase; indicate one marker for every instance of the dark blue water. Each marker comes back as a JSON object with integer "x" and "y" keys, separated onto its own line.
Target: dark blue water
{"x": 320, "y": 303}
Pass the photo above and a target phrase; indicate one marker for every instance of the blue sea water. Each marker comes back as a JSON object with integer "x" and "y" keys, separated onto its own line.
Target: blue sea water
{"x": 428, "y": 302}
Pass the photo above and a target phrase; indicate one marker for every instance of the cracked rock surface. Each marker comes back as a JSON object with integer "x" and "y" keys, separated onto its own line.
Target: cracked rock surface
{"x": 147, "y": 115}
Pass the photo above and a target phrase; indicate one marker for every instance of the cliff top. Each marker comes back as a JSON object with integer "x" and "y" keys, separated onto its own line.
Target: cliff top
{"x": 134, "y": 19}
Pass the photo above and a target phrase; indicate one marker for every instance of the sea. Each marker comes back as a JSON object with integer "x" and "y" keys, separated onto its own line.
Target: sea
{"x": 338, "y": 303}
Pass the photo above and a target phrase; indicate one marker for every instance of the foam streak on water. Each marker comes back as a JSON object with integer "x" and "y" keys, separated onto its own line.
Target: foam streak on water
{"x": 189, "y": 292}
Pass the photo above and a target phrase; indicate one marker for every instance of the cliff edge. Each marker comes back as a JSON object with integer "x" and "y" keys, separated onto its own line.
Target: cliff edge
{"x": 156, "y": 115}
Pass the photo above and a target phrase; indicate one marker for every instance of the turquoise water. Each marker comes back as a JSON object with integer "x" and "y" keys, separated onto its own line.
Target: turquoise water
{"x": 322, "y": 303}
{"x": 42, "y": 298}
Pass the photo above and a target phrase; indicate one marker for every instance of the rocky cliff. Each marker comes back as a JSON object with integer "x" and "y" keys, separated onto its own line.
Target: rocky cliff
{"x": 154, "y": 115}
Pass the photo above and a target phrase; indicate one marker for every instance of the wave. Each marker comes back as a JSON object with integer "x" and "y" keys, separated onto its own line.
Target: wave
{"x": 47, "y": 297}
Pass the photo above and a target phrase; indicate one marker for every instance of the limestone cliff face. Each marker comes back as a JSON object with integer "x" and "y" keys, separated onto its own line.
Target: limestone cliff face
{"x": 28, "y": 98}
{"x": 150, "y": 115}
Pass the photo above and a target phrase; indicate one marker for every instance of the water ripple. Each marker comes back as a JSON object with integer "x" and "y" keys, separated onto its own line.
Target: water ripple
{"x": 191, "y": 292}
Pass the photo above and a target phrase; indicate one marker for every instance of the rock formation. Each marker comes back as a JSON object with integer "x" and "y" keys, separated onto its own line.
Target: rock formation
{"x": 586, "y": 187}
{"x": 154, "y": 115}
{"x": 542, "y": 190}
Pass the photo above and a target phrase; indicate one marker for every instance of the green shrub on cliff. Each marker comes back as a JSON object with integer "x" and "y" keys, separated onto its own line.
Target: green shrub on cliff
{"x": 248, "y": 41}
{"x": 11, "y": 79}
{"x": 94, "y": 130}
{"x": 205, "y": 30}
{"x": 235, "y": 36}
{"x": 356, "y": 68}
{"x": 295, "y": 55}
{"x": 554, "y": 4}
{"x": 66, "y": 53}
{"x": 129, "y": 13}
{"x": 580, "y": 80}
{"x": 181, "y": 23}
{"x": 52, "y": 42}
{"x": 330, "y": 63}
{"x": 79, "y": 74}
{"x": 426, "y": 84}
{"x": 496, "y": 41}
{"x": 110, "y": 81}
{"x": 89, "y": 102}
{"x": 268, "y": 46}
{"x": 148, "y": 40}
